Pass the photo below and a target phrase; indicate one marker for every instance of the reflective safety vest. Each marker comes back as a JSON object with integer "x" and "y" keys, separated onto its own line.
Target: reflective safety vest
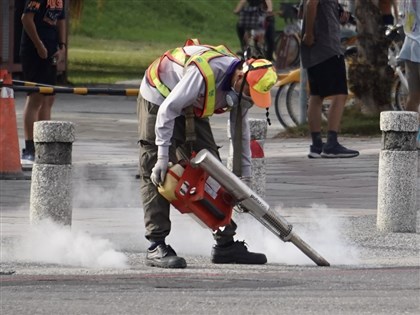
{"x": 201, "y": 60}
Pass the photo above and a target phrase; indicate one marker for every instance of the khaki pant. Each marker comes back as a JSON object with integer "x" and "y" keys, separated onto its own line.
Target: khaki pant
{"x": 156, "y": 207}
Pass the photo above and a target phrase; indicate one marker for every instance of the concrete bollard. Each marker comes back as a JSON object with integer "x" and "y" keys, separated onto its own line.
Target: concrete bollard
{"x": 258, "y": 130}
{"x": 397, "y": 177}
{"x": 51, "y": 186}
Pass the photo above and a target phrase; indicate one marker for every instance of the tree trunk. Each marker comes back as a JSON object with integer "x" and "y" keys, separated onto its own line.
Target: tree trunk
{"x": 370, "y": 77}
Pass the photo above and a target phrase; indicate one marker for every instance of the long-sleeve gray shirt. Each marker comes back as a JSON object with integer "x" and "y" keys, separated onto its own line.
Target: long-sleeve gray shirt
{"x": 187, "y": 88}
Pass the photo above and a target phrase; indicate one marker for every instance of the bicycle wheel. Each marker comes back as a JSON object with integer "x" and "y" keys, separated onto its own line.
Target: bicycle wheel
{"x": 399, "y": 95}
{"x": 294, "y": 50}
{"x": 281, "y": 108}
{"x": 293, "y": 102}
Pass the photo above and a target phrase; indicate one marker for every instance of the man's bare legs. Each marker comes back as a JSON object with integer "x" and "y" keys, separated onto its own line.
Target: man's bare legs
{"x": 44, "y": 113}
{"x": 413, "y": 100}
{"x": 335, "y": 112}
{"x": 37, "y": 107}
{"x": 314, "y": 113}
{"x": 413, "y": 79}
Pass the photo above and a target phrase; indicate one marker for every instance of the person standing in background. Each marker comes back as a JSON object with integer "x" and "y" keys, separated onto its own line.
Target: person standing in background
{"x": 42, "y": 47}
{"x": 410, "y": 53}
{"x": 258, "y": 15}
{"x": 323, "y": 58}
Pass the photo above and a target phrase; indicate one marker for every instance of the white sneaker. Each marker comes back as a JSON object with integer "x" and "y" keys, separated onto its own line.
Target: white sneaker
{"x": 27, "y": 158}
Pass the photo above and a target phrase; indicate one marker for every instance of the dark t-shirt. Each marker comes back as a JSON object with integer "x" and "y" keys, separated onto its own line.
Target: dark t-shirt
{"x": 46, "y": 15}
{"x": 327, "y": 35}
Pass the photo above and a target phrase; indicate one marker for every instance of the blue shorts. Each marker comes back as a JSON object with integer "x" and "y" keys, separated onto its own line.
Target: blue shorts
{"x": 328, "y": 77}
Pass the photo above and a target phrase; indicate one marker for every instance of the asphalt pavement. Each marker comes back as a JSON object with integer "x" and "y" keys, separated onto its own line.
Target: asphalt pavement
{"x": 97, "y": 266}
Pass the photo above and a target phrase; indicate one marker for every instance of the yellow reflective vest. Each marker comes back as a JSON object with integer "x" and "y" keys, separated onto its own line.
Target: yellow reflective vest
{"x": 201, "y": 60}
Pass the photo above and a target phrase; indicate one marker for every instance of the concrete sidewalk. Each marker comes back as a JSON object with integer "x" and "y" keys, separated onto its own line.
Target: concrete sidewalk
{"x": 330, "y": 202}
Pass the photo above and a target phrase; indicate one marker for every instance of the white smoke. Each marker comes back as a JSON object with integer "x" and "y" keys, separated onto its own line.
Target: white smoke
{"x": 321, "y": 228}
{"x": 322, "y": 231}
{"x": 48, "y": 242}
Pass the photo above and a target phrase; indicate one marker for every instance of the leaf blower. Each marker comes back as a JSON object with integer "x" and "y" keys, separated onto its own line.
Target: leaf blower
{"x": 205, "y": 188}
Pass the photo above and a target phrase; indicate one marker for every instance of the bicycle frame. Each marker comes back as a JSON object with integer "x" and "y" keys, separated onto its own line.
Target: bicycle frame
{"x": 287, "y": 78}
{"x": 395, "y": 33}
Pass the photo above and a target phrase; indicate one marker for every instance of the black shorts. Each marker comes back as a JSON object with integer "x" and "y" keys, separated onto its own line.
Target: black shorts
{"x": 328, "y": 78}
{"x": 35, "y": 69}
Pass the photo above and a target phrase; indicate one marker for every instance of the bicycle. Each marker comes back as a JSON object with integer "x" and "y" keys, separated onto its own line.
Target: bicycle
{"x": 287, "y": 43}
{"x": 251, "y": 31}
{"x": 280, "y": 103}
{"x": 399, "y": 91}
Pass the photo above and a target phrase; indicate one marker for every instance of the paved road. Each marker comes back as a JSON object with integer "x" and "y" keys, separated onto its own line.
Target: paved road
{"x": 98, "y": 266}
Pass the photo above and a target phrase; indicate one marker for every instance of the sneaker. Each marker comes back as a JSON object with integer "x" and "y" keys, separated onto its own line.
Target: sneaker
{"x": 164, "y": 256}
{"x": 315, "y": 152}
{"x": 338, "y": 151}
{"x": 27, "y": 157}
{"x": 237, "y": 253}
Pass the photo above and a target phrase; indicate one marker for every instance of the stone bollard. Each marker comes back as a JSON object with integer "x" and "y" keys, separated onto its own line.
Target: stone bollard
{"x": 51, "y": 186}
{"x": 258, "y": 130}
{"x": 397, "y": 177}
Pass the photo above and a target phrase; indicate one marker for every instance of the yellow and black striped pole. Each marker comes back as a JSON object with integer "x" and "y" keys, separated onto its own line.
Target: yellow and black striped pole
{"x": 26, "y": 86}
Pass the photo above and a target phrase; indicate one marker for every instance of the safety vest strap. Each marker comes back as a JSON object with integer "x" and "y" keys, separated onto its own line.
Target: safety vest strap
{"x": 152, "y": 74}
{"x": 223, "y": 50}
{"x": 202, "y": 62}
{"x": 192, "y": 42}
{"x": 179, "y": 56}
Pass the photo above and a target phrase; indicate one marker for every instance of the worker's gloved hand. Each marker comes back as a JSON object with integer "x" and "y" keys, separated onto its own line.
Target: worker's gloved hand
{"x": 159, "y": 170}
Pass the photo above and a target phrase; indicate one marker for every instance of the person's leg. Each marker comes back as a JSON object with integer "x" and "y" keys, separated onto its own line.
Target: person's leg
{"x": 37, "y": 105}
{"x": 270, "y": 34}
{"x": 44, "y": 112}
{"x": 314, "y": 123}
{"x": 30, "y": 115}
{"x": 332, "y": 82}
{"x": 226, "y": 249}
{"x": 314, "y": 112}
{"x": 240, "y": 31}
{"x": 155, "y": 206}
{"x": 335, "y": 112}
{"x": 412, "y": 72}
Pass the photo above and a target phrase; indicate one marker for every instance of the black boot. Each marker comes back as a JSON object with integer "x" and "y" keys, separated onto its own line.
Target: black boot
{"x": 164, "y": 256}
{"x": 236, "y": 253}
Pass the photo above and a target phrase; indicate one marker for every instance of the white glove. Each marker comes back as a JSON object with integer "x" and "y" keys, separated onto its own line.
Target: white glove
{"x": 159, "y": 170}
